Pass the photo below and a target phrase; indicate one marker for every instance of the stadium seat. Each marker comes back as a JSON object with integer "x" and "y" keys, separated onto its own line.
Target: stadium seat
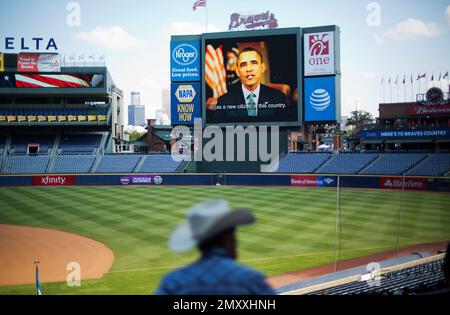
{"x": 434, "y": 165}
{"x": 117, "y": 163}
{"x": 346, "y": 163}
{"x": 393, "y": 163}
{"x": 28, "y": 164}
{"x": 79, "y": 143}
{"x": 72, "y": 164}
{"x": 159, "y": 163}
{"x": 302, "y": 162}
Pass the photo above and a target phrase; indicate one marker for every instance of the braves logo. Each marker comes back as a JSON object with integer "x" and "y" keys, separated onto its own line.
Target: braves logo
{"x": 319, "y": 44}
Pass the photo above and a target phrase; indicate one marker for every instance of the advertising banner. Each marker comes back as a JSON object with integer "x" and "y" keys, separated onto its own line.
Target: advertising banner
{"x": 436, "y": 133}
{"x": 2, "y": 63}
{"x": 53, "y": 180}
{"x": 32, "y": 80}
{"x": 313, "y": 181}
{"x": 411, "y": 183}
{"x": 141, "y": 180}
{"x": 319, "y": 54}
{"x": 320, "y": 99}
{"x": 185, "y": 61}
{"x": 38, "y": 63}
{"x": 185, "y": 102}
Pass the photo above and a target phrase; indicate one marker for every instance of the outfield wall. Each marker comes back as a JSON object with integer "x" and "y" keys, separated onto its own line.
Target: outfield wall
{"x": 348, "y": 181}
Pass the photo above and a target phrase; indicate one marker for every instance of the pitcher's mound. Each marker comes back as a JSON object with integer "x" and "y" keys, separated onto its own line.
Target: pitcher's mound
{"x": 20, "y": 246}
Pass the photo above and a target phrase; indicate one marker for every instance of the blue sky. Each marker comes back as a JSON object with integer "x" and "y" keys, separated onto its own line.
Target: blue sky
{"x": 413, "y": 36}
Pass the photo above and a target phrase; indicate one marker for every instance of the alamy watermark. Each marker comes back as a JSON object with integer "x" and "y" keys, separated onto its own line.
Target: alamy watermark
{"x": 73, "y": 279}
{"x": 211, "y": 142}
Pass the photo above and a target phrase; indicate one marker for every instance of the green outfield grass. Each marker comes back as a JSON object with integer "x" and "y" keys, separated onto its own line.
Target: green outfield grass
{"x": 295, "y": 227}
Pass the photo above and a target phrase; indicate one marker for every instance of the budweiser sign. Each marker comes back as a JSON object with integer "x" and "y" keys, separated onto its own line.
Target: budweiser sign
{"x": 252, "y": 21}
{"x": 430, "y": 110}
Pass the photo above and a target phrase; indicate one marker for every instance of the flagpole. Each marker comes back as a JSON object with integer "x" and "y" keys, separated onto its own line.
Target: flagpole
{"x": 412, "y": 88}
{"x": 404, "y": 86}
{"x": 398, "y": 91}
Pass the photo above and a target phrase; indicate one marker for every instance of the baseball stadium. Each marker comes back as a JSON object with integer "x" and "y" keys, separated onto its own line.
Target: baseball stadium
{"x": 86, "y": 210}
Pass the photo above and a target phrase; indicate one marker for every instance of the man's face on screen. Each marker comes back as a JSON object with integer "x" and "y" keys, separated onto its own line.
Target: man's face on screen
{"x": 249, "y": 69}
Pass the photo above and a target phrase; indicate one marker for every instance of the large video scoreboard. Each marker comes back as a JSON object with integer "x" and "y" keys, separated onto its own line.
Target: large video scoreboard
{"x": 279, "y": 77}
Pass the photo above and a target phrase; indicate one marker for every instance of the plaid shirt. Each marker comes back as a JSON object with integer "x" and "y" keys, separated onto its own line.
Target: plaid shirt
{"x": 216, "y": 273}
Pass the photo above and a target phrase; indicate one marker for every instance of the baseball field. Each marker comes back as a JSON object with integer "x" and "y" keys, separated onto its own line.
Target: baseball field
{"x": 295, "y": 227}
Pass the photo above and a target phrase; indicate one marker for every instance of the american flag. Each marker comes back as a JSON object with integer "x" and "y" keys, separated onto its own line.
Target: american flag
{"x": 53, "y": 80}
{"x": 199, "y": 3}
{"x": 215, "y": 75}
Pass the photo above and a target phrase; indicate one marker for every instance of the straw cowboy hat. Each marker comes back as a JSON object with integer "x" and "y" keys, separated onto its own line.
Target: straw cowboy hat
{"x": 206, "y": 220}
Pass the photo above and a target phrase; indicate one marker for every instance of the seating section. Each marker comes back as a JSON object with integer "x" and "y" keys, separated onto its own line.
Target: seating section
{"x": 79, "y": 144}
{"x": 72, "y": 164}
{"x": 412, "y": 280}
{"x": 393, "y": 163}
{"x": 302, "y": 162}
{"x": 28, "y": 164}
{"x": 19, "y": 143}
{"x": 158, "y": 163}
{"x": 346, "y": 163}
{"x": 117, "y": 163}
{"x": 2, "y": 144}
{"x": 53, "y": 115}
{"x": 434, "y": 165}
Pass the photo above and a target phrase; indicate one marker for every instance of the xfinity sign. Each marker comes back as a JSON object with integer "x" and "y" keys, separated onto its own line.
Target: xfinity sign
{"x": 185, "y": 61}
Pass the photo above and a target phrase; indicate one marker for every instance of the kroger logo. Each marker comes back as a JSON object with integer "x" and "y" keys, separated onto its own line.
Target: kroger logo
{"x": 320, "y": 99}
{"x": 184, "y": 54}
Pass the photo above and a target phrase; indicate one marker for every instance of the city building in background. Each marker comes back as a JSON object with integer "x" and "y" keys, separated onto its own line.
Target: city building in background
{"x": 136, "y": 111}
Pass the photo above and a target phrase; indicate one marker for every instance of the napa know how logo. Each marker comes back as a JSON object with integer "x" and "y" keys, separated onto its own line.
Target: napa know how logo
{"x": 185, "y": 93}
{"x": 320, "y": 102}
{"x": 185, "y": 61}
{"x": 185, "y": 102}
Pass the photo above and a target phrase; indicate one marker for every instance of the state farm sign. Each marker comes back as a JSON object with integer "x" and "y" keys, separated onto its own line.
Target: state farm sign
{"x": 319, "y": 53}
{"x": 53, "y": 180}
{"x": 411, "y": 183}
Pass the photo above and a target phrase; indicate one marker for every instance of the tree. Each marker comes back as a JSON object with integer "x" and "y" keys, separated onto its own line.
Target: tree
{"x": 134, "y": 135}
{"x": 357, "y": 117}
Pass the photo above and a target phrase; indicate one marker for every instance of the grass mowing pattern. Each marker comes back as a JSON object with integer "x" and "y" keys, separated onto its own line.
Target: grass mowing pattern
{"x": 295, "y": 227}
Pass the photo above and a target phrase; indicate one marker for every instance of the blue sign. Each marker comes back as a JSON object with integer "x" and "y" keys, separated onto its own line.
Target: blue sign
{"x": 184, "y": 61}
{"x": 418, "y": 133}
{"x": 185, "y": 103}
{"x": 320, "y": 99}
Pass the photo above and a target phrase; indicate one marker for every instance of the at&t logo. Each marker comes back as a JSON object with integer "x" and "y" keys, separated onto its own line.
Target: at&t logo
{"x": 320, "y": 99}
{"x": 185, "y": 54}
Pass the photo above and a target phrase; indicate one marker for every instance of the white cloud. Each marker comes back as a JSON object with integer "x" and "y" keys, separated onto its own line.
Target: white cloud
{"x": 408, "y": 30}
{"x": 149, "y": 83}
{"x": 111, "y": 37}
{"x": 369, "y": 76}
{"x": 187, "y": 28}
{"x": 447, "y": 14}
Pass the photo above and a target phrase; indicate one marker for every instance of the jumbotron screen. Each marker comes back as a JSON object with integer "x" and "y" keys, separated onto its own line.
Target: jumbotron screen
{"x": 252, "y": 80}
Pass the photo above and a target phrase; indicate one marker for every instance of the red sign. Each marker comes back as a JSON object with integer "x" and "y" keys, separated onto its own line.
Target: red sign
{"x": 411, "y": 183}
{"x": 53, "y": 180}
{"x": 253, "y": 21}
{"x": 430, "y": 110}
{"x": 38, "y": 63}
{"x": 304, "y": 181}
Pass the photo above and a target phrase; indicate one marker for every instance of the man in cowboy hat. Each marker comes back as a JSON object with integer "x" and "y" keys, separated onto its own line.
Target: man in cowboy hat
{"x": 211, "y": 227}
